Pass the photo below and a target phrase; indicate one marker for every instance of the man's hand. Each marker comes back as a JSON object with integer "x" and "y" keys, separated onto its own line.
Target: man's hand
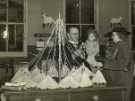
{"x": 79, "y": 53}
{"x": 82, "y": 46}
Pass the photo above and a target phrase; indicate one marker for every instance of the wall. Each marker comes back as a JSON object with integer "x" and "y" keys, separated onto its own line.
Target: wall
{"x": 107, "y": 10}
{"x": 35, "y": 7}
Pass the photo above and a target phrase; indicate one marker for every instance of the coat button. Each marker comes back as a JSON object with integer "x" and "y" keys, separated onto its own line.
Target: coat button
{"x": 96, "y": 98}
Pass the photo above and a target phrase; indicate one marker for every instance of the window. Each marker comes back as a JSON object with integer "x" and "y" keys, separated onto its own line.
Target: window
{"x": 80, "y": 13}
{"x": 133, "y": 24}
{"x": 12, "y": 26}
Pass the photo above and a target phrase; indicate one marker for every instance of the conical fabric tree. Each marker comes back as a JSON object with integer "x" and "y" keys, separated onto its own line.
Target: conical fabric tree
{"x": 52, "y": 60}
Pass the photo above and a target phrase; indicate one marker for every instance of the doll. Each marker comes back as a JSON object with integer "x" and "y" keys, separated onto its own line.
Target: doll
{"x": 92, "y": 49}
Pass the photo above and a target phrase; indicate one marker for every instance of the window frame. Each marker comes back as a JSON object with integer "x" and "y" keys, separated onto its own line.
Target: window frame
{"x": 23, "y": 53}
{"x": 132, "y": 25}
{"x": 96, "y": 17}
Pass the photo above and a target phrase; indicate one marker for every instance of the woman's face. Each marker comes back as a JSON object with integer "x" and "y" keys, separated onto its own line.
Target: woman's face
{"x": 91, "y": 37}
{"x": 115, "y": 37}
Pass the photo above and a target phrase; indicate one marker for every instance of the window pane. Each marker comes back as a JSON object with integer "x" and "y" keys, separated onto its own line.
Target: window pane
{"x": 16, "y": 10}
{"x": 3, "y": 10}
{"x": 12, "y": 43}
{"x": 133, "y": 39}
{"x": 2, "y": 38}
{"x": 87, "y": 11}
{"x": 16, "y": 37}
{"x": 19, "y": 37}
{"x": 84, "y": 30}
{"x": 72, "y": 11}
{"x": 133, "y": 12}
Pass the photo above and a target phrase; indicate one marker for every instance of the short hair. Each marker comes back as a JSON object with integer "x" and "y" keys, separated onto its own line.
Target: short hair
{"x": 72, "y": 27}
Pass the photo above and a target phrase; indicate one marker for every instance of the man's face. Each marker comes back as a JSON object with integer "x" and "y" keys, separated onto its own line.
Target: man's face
{"x": 74, "y": 34}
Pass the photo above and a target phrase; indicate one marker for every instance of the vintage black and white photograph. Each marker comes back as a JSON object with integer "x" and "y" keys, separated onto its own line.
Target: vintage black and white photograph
{"x": 67, "y": 50}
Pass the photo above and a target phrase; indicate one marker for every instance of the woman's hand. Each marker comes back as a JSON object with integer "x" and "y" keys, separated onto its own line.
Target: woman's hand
{"x": 99, "y": 65}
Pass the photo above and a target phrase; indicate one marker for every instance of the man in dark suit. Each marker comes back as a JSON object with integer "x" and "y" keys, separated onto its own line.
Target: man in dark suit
{"x": 74, "y": 50}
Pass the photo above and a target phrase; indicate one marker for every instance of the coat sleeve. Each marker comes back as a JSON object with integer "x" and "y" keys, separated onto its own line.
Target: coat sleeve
{"x": 123, "y": 58}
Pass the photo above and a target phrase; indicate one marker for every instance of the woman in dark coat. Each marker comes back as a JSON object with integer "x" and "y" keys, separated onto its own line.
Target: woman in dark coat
{"x": 119, "y": 71}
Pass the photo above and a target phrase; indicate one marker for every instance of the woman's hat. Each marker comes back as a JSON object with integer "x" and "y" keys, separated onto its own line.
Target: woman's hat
{"x": 120, "y": 30}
